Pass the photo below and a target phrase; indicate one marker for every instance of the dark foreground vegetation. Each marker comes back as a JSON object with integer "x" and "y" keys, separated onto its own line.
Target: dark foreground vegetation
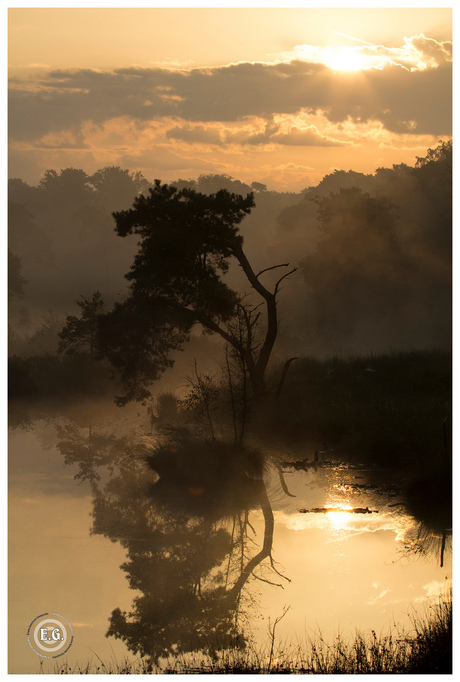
{"x": 425, "y": 649}
{"x": 389, "y": 410}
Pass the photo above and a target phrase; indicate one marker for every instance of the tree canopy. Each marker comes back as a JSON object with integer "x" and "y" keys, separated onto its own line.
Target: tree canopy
{"x": 79, "y": 333}
{"x": 187, "y": 240}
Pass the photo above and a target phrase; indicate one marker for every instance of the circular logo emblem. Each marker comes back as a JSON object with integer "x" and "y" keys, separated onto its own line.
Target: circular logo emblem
{"x": 50, "y": 635}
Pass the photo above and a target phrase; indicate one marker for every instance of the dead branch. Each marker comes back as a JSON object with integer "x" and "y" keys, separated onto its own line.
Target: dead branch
{"x": 283, "y": 376}
{"x": 273, "y": 267}
{"x": 281, "y": 279}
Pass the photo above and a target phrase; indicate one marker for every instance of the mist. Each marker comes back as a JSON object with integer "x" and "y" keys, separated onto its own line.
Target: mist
{"x": 372, "y": 252}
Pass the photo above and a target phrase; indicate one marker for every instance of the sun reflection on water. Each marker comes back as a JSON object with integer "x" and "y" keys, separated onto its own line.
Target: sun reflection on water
{"x": 339, "y": 517}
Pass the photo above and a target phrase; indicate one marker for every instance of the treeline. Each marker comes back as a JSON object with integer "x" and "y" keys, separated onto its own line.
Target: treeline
{"x": 379, "y": 276}
{"x": 62, "y": 233}
{"x": 373, "y": 251}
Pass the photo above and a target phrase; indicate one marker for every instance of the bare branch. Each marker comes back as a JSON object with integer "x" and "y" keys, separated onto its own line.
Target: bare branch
{"x": 273, "y": 267}
{"x": 281, "y": 279}
{"x": 247, "y": 570}
{"x": 250, "y": 274}
{"x": 213, "y": 326}
{"x": 255, "y": 320}
{"x": 283, "y": 376}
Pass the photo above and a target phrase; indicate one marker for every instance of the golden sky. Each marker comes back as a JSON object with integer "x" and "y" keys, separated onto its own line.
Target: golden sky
{"x": 281, "y": 96}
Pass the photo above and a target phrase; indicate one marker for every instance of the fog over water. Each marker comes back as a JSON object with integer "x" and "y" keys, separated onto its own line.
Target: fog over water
{"x": 230, "y": 339}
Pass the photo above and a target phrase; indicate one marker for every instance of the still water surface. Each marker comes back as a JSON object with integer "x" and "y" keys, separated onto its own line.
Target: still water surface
{"x": 199, "y": 566}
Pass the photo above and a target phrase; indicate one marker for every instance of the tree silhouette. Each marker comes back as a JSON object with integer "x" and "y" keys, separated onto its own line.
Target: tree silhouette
{"x": 355, "y": 274}
{"x": 16, "y": 281}
{"x": 65, "y": 190}
{"x": 187, "y": 241}
{"x": 115, "y": 184}
{"x": 79, "y": 333}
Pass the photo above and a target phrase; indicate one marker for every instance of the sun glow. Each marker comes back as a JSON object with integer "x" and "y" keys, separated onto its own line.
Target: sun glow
{"x": 339, "y": 517}
{"x": 346, "y": 59}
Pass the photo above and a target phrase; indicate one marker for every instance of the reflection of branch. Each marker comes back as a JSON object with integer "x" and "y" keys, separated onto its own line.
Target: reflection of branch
{"x": 283, "y": 482}
{"x": 443, "y": 547}
{"x": 276, "y": 570}
{"x": 251, "y": 527}
{"x": 231, "y": 549}
{"x": 267, "y": 545}
{"x": 272, "y": 634}
{"x": 257, "y": 577}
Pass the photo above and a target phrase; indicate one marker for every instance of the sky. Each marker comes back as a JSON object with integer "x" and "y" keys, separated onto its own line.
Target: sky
{"x": 279, "y": 96}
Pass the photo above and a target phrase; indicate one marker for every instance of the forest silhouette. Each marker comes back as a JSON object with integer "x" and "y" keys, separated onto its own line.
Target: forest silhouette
{"x": 373, "y": 251}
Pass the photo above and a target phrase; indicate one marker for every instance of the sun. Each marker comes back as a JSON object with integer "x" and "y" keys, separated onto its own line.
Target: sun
{"x": 345, "y": 59}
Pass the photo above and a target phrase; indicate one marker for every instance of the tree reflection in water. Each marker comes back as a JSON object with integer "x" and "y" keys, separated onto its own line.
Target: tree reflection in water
{"x": 429, "y": 500}
{"x": 181, "y": 509}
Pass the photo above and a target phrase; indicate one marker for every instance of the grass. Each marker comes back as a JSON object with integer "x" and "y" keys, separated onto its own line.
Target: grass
{"x": 390, "y": 410}
{"x": 426, "y": 649}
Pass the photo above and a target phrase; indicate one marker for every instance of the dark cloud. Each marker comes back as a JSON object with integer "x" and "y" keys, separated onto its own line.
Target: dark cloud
{"x": 402, "y": 100}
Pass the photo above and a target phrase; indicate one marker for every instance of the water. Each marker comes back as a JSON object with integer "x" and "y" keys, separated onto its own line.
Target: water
{"x": 210, "y": 554}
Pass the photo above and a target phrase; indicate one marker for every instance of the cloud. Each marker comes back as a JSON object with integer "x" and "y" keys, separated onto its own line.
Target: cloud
{"x": 253, "y": 134}
{"x": 417, "y": 53}
{"x": 293, "y": 136}
{"x": 434, "y": 53}
{"x": 157, "y": 158}
{"x": 382, "y": 592}
{"x": 196, "y": 134}
{"x": 418, "y": 102}
{"x": 402, "y": 100}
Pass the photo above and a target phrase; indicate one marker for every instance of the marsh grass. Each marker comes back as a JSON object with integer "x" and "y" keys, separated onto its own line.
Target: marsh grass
{"x": 388, "y": 410}
{"x": 425, "y": 649}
